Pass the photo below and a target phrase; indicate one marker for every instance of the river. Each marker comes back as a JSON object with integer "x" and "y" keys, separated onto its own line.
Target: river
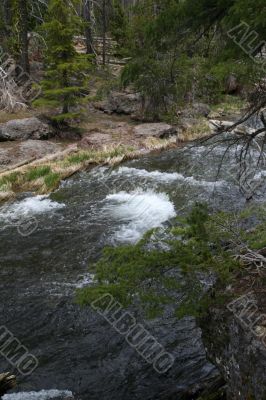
{"x": 77, "y": 351}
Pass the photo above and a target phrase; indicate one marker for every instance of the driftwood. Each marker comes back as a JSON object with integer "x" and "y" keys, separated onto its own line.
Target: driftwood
{"x": 21, "y": 164}
{"x": 218, "y": 126}
{"x": 7, "y": 382}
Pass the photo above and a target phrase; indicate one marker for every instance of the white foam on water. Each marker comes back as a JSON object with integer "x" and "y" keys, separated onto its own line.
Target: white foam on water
{"x": 202, "y": 182}
{"x": 29, "y": 206}
{"x": 82, "y": 281}
{"x": 260, "y": 175}
{"x": 166, "y": 177}
{"x": 198, "y": 151}
{"x": 221, "y": 150}
{"x": 143, "y": 173}
{"x": 41, "y": 395}
{"x": 138, "y": 212}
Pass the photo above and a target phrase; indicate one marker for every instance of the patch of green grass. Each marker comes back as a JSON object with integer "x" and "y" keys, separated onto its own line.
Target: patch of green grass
{"x": 97, "y": 156}
{"x": 9, "y": 179}
{"x": 37, "y": 172}
{"x": 229, "y": 104}
{"x": 79, "y": 158}
{"x": 118, "y": 151}
{"x": 52, "y": 180}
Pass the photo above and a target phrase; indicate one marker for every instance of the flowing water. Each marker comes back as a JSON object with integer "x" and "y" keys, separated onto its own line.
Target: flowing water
{"x": 77, "y": 351}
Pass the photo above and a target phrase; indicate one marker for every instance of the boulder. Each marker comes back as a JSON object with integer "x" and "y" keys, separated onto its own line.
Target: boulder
{"x": 158, "y": 129}
{"x": 186, "y": 124}
{"x": 95, "y": 139}
{"x": 215, "y": 115}
{"x": 38, "y": 149}
{"x": 13, "y": 153}
{"x": 195, "y": 110}
{"x": 24, "y": 129}
{"x": 201, "y": 109}
{"x": 120, "y": 103}
{"x": 231, "y": 84}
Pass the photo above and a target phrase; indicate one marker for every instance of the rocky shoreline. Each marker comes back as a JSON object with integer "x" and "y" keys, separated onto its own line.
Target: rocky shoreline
{"x": 105, "y": 137}
{"x": 102, "y": 140}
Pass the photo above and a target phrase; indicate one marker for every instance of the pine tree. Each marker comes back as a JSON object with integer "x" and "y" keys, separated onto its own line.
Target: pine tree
{"x": 118, "y": 23}
{"x": 66, "y": 71}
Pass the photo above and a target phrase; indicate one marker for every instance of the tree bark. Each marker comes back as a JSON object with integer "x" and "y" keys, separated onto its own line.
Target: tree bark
{"x": 24, "y": 43}
{"x": 6, "y": 14}
{"x": 65, "y": 109}
{"x": 104, "y": 31}
{"x": 88, "y": 31}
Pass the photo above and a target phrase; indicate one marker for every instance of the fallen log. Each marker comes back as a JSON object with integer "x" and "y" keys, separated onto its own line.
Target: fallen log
{"x": 21, "y": 164}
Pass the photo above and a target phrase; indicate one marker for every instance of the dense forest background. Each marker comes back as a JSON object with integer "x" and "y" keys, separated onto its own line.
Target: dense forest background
{"x": 176, "y": 51}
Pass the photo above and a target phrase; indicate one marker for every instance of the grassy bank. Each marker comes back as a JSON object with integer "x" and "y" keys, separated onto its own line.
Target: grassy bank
{"x": 44, "y": 176}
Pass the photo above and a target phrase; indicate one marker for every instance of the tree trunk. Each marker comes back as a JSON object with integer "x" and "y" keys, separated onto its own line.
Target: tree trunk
{"x": 6, "y": 7}
{"x": 6, "y": 14}
{"x": 88, "y": 32}
{"x": 24, "y": 43}
{"x": 65, "y": 109}
{"x": 104, "y": 31}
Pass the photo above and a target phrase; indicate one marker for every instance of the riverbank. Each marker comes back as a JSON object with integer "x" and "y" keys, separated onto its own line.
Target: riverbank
{"x": 44, "y": 175}
{"x": 39, "y": 166}
{"x": 107, "y": 142}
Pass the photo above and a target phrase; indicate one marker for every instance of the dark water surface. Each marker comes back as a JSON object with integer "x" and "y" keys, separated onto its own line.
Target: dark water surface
{"x": 76, "y": 349}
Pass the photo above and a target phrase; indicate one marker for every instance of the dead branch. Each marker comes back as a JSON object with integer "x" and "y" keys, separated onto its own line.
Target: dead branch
{"x": 9, "y": 100}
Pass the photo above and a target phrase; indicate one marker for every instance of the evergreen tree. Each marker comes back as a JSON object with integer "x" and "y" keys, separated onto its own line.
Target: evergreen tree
{"x": 180, "y": 50}
{"x": 66, "y": 70}
{"x": 118, "y": 23}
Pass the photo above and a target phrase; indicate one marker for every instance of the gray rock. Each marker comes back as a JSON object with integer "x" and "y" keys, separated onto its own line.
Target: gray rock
{"x": 231, "y": 85}
{"x": 120, "y": 103}
{"x": 186, "y": 123}
{"x": 229, "y": 335}
{"x": 38, "y": 149}
{"x": 23, "y": 129}
{"x": 95, "y": 139}
{"x": 195, "y": 110}
{"x": 13, "y": 153}
{"x": 158, "y": 130}
{"x": 201, "y": 109}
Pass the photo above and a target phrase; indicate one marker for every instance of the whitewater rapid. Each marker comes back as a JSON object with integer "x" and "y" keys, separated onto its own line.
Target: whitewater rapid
{"x": 138, "y": 212}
